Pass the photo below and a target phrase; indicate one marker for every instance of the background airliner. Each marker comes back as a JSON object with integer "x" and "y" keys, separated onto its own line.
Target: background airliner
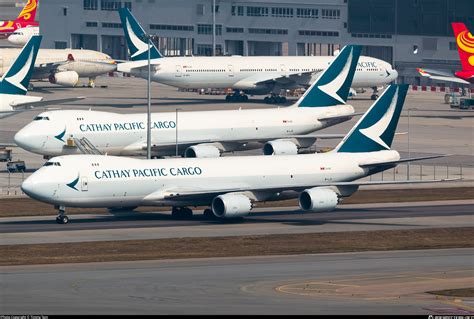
{"x": 250, "y": 74}
{"x": 63, "y": 66}
{"x": 21, "y": 36}
{"x": 14, "y": 83}
{"x": 26, "y": 18}
{"x": 465, "y": 44}
{"x": 229, "y": 185}
{"x": 201, "y": 133}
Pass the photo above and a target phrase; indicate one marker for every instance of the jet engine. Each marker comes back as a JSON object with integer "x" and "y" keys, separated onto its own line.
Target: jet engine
{"x": 280, "y": 147}
{"x": 318, "y": 199}
{"x": 231, "y": 206}
{"x": 64, "y": 78}
{"x": 202, "y": 150}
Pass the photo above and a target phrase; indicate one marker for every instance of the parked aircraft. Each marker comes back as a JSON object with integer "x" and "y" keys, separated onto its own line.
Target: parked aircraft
{"x": 14, "y": 83}
{"x": 248, "y": 74}
{"x": 63, "y": 66}
{"x": 201, "y": 133}
{"x": 26, "y": 18}
{"x": 465, "y": 44}
{"x": 21, "y": 36}
{"x": 229, "y": 185}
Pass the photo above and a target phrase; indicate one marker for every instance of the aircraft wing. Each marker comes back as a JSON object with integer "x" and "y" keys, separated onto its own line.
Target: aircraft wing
{"x": 41, "y": 103}
{"x": 189, "y": 194}
{"x": 300, "y": 78}
{"x": 440, "y": 76}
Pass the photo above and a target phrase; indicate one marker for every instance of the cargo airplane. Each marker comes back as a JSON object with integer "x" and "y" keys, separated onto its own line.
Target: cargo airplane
{"x": 201, "y": 133}
{"x": 228, "y": 185}
{"x": 465, "y": 44}
{"x": 14, "y": 83}
{"x": 257, "y": 75}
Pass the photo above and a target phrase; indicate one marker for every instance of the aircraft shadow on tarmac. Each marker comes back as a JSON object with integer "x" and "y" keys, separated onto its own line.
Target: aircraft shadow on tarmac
{"x": 157, "y": 219}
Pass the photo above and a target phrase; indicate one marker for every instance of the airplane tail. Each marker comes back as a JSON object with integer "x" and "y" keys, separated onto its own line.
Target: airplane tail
{"x": 29, "y": 11}
{"x": 333, "y": 85}
{"x": 134, "y": 34}
{"x": 17, "y": 78}
{"x": 375, "y": 130}
{"x": 465, "y": 44}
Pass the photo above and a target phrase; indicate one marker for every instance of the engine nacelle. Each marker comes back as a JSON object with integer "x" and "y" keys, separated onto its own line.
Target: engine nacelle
{"x": 231, "y": 205}
{"x": 280, "y": 147}
{"x": 202, "y": 151}
{"x": 318, "y": 199}
{"x": 65, "y": 78}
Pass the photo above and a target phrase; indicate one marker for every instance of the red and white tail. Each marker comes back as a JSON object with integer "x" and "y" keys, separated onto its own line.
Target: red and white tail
{"x": 29, "y": 11}
{"x": 465, "y": 43}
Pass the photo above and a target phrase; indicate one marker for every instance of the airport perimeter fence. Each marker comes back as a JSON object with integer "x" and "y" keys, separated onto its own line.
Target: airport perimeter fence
{"x": 10, "y": 182}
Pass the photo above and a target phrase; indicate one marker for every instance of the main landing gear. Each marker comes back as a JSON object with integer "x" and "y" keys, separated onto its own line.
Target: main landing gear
{"x": 62, "y": 218}
{"x": 274, "y": 99}
{"x": 375, "y": 93}
{"x": 182, "y": 212}
{"x": 91, "y": 83}
{"x": 237, "y": 97}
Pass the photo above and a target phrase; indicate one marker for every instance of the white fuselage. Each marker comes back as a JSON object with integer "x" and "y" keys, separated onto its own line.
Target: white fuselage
{"x": 87, "y": 63}
{"x": 108, "y": 181}
{"x": 125, "y": 134}
{"x": 23, "y": 35}
{"x": 9, "y": 100}
{"x": 242, "y": 73}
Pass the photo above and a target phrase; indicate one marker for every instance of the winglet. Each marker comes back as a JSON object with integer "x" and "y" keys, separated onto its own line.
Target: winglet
{"x": 17, "y": 78}
{"x": 333, "y": 85}
{"x": 135, "y": 35}
{"x": 376, "y": 129}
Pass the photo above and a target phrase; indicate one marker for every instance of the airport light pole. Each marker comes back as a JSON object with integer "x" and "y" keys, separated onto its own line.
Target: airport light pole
{"x": 148, "y": 38}
{"x": 408, "y": 140}
{"x": 213, "y": 27}
{"x": 148, "y": 109}
{"x": 177, "y": 130}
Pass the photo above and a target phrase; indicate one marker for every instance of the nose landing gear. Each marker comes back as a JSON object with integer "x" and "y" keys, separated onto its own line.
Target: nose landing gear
{"x": 62, "y": 218}
{"x": 274, "y": 99}
{"x": 375, "y": 93}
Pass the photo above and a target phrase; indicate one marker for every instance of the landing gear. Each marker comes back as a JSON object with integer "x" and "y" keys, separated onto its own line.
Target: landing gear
{"x": 237, "y": 97}
{"x": 91, "y": 83}
{"x": 181, "y": 212}
{"x": 274, "y": 99}
{"x": 375, "y": 94}
{"x": 208, "y": 214}
{"x": 62, "y": 218}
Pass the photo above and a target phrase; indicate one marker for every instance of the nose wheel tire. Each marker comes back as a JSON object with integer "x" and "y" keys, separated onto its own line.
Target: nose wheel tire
{"x": 374, "y": 97}
{"x": 62, "y": 219}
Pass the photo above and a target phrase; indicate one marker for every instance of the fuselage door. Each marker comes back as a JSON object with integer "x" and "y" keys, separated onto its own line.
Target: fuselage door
{"x": 283, "y": 69}
{"x": 178, "y": 71}
{"x": 84, "y": 184}
{"x": 230, "y": 70}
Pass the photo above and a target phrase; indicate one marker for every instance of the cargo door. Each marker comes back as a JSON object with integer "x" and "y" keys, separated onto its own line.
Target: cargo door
{"x": 178, "y": 71}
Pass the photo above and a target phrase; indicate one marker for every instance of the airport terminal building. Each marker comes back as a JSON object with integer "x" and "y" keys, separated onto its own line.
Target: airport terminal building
{"x": 406, "y": 33}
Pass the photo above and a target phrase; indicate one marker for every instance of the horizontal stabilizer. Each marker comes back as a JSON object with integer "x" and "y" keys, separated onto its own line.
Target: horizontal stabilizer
{"x": 404, "y": 160}
{"x": 47, "y": 102}
{"x": 337, "y": 117}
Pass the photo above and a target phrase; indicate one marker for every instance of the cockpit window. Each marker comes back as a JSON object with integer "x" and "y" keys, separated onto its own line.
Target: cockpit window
{"x": 52, "y": 164}
{"x": 41, "y": 118}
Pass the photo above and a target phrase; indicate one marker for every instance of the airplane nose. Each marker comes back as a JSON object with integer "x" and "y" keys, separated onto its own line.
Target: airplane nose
{"x": 24, "y": 140}
{"x": 28, "y": 187}
{"x": 394, "y": 74}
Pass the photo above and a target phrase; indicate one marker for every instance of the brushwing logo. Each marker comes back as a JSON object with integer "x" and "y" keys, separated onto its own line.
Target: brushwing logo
{"x": 335, "y": 85}
{"x": 74, "y": 183}
{"x": 375, "y": 131}
{"x": 61, "y": 135}
{"x": 16, "y": 79}
{"x": 139, "y": 44}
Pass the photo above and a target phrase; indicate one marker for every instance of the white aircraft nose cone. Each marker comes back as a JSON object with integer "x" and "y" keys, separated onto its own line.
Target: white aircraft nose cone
{"x": 28, "y": 187}
{"x": 23, "y": 140}
{"x": 394, "y": 74}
